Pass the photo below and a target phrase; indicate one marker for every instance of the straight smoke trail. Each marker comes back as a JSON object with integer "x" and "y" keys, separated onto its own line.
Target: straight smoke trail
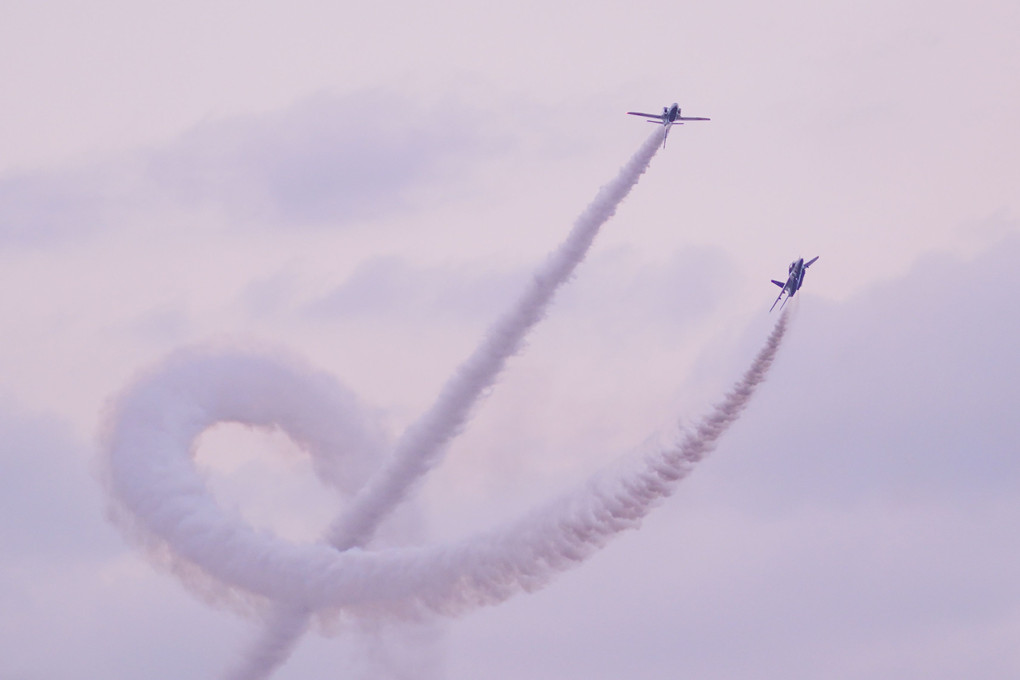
{"x": 165, "y": 492}
{"x": 423, "y": 443}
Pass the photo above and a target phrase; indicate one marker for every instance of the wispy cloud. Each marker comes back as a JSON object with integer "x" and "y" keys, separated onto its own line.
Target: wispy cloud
{"x": 325, "y": 160}
{"x": 48, "y": 510}
{"x": 40, "y": 208}
{"x": 328, "y": 160}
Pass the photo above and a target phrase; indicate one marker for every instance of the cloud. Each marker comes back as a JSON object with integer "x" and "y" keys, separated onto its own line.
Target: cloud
{"x": 392, "y": 287}
{"x": 327, "y": 159}
{"x": 905, "y": 389}
{"x": 333, "y": 160}
{"x": 861, "y": 516}
{"x": 54, "y": 546}
{"x": 39, "y": 207}
{"x": 616, "y": 291}
{"x": 49, "y": 509}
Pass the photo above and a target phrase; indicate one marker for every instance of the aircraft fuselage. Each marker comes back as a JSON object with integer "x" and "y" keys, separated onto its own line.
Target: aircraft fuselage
{"x": 670, "y": 116}
{"x": 794, "y": 281}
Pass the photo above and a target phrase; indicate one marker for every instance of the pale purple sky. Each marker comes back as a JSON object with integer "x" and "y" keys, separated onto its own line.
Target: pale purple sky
{"x": 368, "y": 187}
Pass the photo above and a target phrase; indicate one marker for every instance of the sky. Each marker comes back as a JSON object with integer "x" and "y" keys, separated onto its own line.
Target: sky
{"x": 367, "y": 188}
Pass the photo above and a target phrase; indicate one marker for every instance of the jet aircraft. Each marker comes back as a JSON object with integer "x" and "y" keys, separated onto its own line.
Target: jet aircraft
{"x": 670, "y": 115}
{"x": 793, "y": 283}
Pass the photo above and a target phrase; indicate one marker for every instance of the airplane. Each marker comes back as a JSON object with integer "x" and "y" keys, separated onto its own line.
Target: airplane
{"x": 669, "y": 116}
{"x": 796, "y": 279}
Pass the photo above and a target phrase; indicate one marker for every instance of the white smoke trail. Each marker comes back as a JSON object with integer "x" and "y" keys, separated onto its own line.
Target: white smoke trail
{"x": 164, "y": 491}
{"x": 416, "y": 452}
{"x": 525, "y": 555}
{"x": 528, "y": 553}
{"x": 424, "y": 442}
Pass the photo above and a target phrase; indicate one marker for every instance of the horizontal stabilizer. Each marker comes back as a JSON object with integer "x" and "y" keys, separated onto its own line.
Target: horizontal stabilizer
{"x": 781, "y": 285}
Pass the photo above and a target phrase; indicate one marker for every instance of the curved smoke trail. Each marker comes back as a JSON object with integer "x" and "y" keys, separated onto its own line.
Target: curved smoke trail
{"x": 165, "y": 492}
{"x": 160, "y": 498}
{"x": 525, "y": 555}
{"x": 423, "y": 443}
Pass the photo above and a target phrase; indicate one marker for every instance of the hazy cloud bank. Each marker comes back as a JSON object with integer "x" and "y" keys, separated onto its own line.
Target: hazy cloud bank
{"x": 328, "y": 160}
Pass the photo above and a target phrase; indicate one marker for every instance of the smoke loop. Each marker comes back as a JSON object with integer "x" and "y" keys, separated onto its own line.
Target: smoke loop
{"x": 161, "y": 500}
{"x": 153, "y": 480}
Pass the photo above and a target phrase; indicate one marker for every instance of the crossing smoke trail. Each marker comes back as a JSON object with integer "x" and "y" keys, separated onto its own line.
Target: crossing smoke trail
{"x": 423, "y": 443}
{"x": 524, "y": 556}
{"x": 166, "y": 494}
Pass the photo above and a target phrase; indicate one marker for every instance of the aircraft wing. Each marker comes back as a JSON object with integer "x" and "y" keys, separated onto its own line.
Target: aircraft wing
{"x": 785, "y": 287}
{"x": 811, "y": 261}
{"x": 692, "y": 118}
{"x": 646, "y": 115}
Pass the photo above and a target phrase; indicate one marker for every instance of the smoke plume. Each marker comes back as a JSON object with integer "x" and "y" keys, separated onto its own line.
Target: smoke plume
{"x": 162, "y": 502}
{"x": 424, "y": 442}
